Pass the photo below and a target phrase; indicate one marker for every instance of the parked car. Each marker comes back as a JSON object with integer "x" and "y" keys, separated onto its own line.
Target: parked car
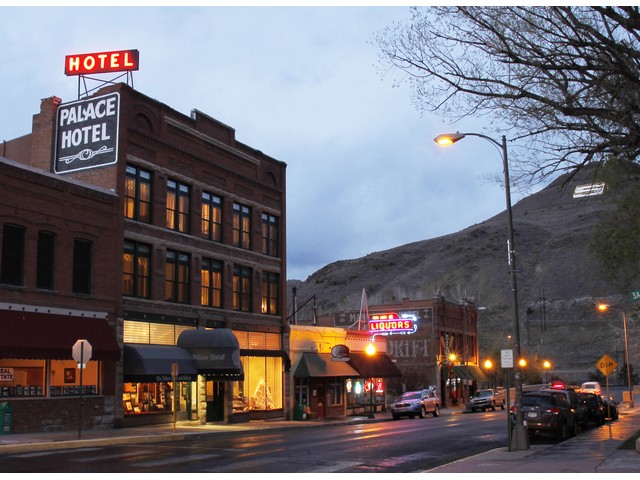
{"x": 578, "y": 406}
{"x": 591, "y": 387}
{"x": 487, "y": 398}
{"x": 415, "y": 403}
{"x": 546, "y": 412}
{"x": 610, "y": 406}
{"x": 596, "y": 408}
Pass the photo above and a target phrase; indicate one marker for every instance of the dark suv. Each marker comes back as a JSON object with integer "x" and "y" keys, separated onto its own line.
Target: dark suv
{"x": 596, "y": 408}
{"x": 578, "y": 406}
{"x": 547, "y": 412}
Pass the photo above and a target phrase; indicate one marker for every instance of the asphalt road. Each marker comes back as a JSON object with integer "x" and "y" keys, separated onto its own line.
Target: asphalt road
{"x": 407, "y": 445}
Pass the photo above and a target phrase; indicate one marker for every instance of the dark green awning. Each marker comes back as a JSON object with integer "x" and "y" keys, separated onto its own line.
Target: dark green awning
{"x": 469, "y": 372}
{"x": 322, "y": 365}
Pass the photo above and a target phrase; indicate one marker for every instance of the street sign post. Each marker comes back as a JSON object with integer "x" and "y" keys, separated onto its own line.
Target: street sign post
{"x": 506, "y": 361}
{"x": 607, "y": 365}
{"x": 81, "y": 353}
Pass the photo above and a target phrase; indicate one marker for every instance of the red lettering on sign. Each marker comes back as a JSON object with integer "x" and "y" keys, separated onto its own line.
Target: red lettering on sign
{"x": 102, "y": 62}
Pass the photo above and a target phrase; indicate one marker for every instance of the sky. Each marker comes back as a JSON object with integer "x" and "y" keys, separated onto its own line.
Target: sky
{"x": 300, "y": 83}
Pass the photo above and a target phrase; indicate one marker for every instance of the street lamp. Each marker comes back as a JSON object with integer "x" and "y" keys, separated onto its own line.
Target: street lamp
{"x": 603, "y": 307}
{"x": 520, "y": 439}
{"x": 371, "y": 350}
{"x": 546, "y": 365}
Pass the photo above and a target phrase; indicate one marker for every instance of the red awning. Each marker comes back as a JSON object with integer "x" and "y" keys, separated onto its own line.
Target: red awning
{"x": 37, "y": 335}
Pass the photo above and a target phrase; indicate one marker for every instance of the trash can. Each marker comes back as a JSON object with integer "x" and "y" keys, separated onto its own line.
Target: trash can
{"x": 6, "y": 414}
{"x": 298, "y": 413}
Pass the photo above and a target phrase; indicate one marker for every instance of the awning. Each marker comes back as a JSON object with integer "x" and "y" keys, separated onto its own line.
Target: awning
{"x": 469, "y": 372}
{"x": 153, "y": 363}
{"x": 321, "y": 365}
{"x": 216, "y": 352}
{"x": 378, "y": 365}
{"x": 37, "y": 335}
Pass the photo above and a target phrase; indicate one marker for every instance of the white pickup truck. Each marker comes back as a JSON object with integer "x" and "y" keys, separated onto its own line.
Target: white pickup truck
{"x": 487, "y": 398}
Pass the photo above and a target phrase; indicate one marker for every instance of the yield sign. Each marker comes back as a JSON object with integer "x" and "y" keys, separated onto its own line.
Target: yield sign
{"x": 606, "y": 365}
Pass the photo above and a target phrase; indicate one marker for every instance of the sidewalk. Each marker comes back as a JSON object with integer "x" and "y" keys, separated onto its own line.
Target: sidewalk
{"x": 589, "y": 452}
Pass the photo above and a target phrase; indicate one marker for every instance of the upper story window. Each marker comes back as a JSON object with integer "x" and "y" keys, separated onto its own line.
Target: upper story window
{"x": 45, "y": 257}
{"x": 270, "y": 293}
{"x": 178, "y": 206}
{"x": 136, "y": 269}
{"x": 242, "y": 288}
{"x": 82, "y": 263}
{"x": 269, "y": 235}
{"x": 241, "y": 226}
{"x": 177, "y": 277}
{"x": 137, "y": 194}
{"x": 211, "y": 283}
{"x": 211, "y": 217}
{"x": 12, "y": 260}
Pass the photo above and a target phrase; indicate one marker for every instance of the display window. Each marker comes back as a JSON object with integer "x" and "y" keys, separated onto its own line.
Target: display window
{"x": 42, "y": 378}
{"x": 157, "y": 397}
{"x": 262, "y": 385}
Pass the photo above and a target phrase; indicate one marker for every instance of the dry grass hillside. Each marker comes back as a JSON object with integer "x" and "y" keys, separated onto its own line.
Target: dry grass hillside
{"x": 557, "y": 275}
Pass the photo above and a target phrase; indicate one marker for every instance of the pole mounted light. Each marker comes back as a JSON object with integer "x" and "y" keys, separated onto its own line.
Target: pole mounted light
{"x": 520, "y": 438}
{"x": 603, "y": 307}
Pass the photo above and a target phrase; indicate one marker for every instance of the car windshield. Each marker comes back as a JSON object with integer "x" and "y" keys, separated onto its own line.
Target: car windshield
{"x": 410, "y": 396}
{"x": 483, "y": 393}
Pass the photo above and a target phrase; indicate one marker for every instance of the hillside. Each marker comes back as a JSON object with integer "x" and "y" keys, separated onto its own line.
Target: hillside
{"x": 553, "y": 232}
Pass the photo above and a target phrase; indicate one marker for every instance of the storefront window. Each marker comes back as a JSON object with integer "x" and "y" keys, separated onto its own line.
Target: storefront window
{"x": 152, "y": 397}
{"x": 302, "y": 391}
{"x": 262, "y": 384}
{"x": 26, "y": 378}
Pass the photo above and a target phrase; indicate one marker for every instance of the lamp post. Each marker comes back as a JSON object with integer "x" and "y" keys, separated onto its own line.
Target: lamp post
{"x": 603, "y": 307}
{"x": 520, "y": 439}
{"x": 546, "y": 365}
{"x": 371, "y": 350}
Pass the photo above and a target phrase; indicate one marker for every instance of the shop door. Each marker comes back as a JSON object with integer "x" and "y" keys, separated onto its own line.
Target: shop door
{"x": 215, "y": 401}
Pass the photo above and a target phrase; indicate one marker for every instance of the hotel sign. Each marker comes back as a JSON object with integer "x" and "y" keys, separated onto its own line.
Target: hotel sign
{"x": 101, "y": 62}
{"x": 87, "y": 133}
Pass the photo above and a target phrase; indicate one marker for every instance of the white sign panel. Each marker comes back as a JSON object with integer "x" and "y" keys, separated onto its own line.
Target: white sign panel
{"x": 589, "y": 190}
{"x": 6, "y": 374}
{"x": 506, "y": 358}
{"x": 87, "y": 133}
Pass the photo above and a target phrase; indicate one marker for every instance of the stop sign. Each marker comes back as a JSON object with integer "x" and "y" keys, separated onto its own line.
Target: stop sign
{"x": 81, "y": 351}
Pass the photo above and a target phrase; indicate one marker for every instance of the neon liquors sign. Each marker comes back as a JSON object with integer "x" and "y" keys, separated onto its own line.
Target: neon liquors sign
{"x": 392, "y": 323}
{"x": 87, "y": 133}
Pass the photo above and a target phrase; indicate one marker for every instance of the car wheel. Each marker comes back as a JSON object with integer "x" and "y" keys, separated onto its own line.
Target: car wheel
{"x": 423, "y": 412}
{"x": 412, "y": 416}
{"x": 484, "y": 409}
{"x": 473, "y": 410}
{"x": 574, "y": 430}
{"x": 436, "y": 411}
{"x": 396, "y": 417}
{"x": 562, "y": 432}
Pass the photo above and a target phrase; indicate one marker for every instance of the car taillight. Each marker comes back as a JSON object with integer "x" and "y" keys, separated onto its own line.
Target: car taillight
{"x": 555, "y": 411}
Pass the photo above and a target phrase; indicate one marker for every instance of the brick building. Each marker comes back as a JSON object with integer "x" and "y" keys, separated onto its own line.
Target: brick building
{"x": 440, "y": 351}
{"x": 197, "y": 261}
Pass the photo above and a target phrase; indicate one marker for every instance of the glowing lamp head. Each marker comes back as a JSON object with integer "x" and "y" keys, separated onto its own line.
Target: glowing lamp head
{"x": 488, "y": 364}
{"x": 371, "y": 349}
{"x": 603, "y": 307}
{"x": 448, "y": 138}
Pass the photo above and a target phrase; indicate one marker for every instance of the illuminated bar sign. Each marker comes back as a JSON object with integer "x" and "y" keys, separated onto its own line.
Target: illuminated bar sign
{"x": 389, "y": 323}
{"x": 87, "y": 133}
{"x": 101, "y": 62}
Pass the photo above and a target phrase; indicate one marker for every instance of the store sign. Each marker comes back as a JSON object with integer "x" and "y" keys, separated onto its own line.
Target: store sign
{"x": 392, "y": 323}
{"x": 6, "y": 374}
{"x": 101, "y": 62}
{"x": 87, "y": 133}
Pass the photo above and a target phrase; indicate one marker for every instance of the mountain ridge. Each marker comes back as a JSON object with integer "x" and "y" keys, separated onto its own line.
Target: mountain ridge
{"x": 553, "y": 233}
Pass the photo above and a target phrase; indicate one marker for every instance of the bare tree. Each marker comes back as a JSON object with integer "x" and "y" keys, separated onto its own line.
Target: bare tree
{"x": 564, "y": 81}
